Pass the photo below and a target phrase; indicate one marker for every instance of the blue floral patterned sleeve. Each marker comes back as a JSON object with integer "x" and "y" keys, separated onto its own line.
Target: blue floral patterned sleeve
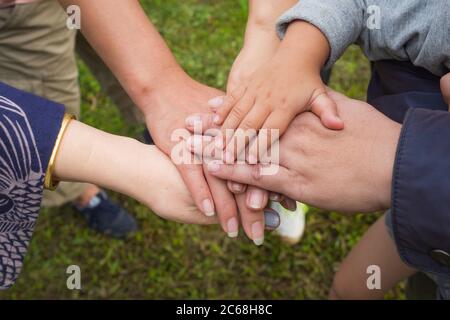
{"x": 29, "y": 126}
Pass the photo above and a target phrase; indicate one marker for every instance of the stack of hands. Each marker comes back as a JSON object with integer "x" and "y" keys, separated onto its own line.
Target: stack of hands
{"x": 320, "y": 162}
{"x": 318, "y": 157}
{"x": 334, "y": 152}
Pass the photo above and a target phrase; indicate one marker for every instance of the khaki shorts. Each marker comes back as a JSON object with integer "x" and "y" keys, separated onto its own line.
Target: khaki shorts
{"x": 37, "y": 54}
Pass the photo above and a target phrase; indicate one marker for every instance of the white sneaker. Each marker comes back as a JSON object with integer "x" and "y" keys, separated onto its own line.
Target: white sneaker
{"x": 292, "y": 223}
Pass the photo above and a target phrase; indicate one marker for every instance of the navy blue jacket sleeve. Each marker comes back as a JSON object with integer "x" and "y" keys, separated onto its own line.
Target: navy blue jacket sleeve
{"x": 29, "y": 126}
{"x": 421, "y": 191}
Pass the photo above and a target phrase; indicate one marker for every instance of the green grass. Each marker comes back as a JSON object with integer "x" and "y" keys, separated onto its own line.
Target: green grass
{"x": 169, "y": 260}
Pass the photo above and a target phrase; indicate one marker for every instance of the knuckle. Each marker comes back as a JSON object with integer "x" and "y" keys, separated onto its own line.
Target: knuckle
{"x": 227, "y": 209}
{"x": 256, "y": 172}
{"x": 237, "y": 112}
{"x": 283, "y": 101}
{"x": 268, "y": 94}
{"x": 236, "y": 94}
{"x": 308, "y": 121}
{"x": 287, "y": 107}
{"x": 227, "y": 105}
{"x": 231, "y": 171}
{"x": 247, "y": 124}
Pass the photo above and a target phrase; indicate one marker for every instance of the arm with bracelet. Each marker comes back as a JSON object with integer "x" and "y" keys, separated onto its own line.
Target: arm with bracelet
{"x": 41, "y": 145}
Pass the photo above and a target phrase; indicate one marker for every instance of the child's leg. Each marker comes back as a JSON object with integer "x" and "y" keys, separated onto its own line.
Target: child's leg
{"x": 375, "y": 248}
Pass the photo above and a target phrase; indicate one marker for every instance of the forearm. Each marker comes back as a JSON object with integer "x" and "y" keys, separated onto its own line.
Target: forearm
{"x": 130, "y": 45}
{"x": 342, "y": 22}
{"x": 304, "y": 46}
{"x": 262, "y": 18}
{"x": 90, "y": 155}
{"x": 127, "y": 166}
{"x": 265, "y": 13}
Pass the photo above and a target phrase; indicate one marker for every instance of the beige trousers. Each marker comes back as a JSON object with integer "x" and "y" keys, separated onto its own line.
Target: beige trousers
{"x": 37, "y": 54}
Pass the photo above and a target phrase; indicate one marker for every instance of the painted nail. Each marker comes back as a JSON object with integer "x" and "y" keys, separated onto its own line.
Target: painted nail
{"x": 256, "y": 200}
{"x": 191, "y": 121}
{"x": 213, "y": 166}
{"x": 208, "y": 208}
{"x": 216, "y": 102}
{"x": 258, "y": 233}
{"x": 232, "y": 228}
{"x": 272, "y": 219}
{"x": 289, "y": 204}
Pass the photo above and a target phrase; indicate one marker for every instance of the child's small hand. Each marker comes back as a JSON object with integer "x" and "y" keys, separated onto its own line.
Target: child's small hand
{"x": 260, "y": 46}
{"x": 287, "y": 85}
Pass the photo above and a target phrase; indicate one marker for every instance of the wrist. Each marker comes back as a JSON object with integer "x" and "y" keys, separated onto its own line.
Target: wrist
{"x": 146, "y": 90}
{"x": 89, "y": 155}
{"x": 257, "y": 33}
{"x": 307, "y": 44}
{"x": 113, "y": 162}
{"x": 266, "y": 12}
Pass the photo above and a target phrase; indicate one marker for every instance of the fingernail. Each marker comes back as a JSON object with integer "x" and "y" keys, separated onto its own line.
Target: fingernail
{"x": 213, "y": 166}
{"x": 258, "y": 233}
{"x": 191, "y": 121}
{"x": 237, "y": 187}
{"x": 216, "y": 119}
{"x": 208, "y": 208}
{"x": 232, "y": 228}
{"x": 272, "y": 219}
{"x": 275, "y": 197}
{"x": 216, "y": 102}
{"x": 256, "y": 200}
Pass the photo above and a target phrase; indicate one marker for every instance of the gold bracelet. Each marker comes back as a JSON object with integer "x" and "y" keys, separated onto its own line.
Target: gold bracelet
{"x": 49, "y": 183}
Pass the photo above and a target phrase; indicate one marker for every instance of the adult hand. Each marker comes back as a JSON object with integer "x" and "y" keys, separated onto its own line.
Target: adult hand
{"x": 175, "y": 98}
{"x": 150, "y": 74}
{"x": 260, "y": 44}
{"x": 172, "y": 101}
{"x": 348, "y": 170}
{"x": 127, "y": 166}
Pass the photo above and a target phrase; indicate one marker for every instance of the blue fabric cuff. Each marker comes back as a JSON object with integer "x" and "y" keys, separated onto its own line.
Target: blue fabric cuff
{"x": 45, "y": 118}
{"x": 421, "y": 191}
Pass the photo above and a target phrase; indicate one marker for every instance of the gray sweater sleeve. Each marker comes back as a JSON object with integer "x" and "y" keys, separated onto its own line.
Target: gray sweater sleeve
{"x": 405, "y": 30}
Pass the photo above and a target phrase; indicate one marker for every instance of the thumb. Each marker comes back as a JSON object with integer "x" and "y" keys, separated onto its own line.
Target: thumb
{"x": 326, "y": 109}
